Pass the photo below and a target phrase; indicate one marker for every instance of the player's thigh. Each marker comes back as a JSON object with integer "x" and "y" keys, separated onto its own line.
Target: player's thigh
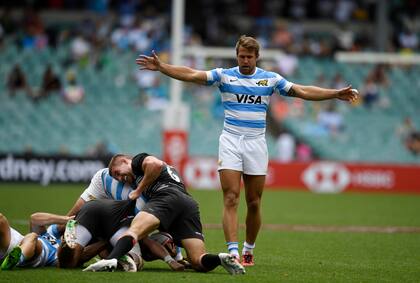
{"x": 255, "y": 156}
{"x": 230, "y": 156}
{"x": 143, "y": 224}
{"x": 230, "y": 181}
{"x": 195, "y": 248}
{"x": 4, "y": 233}
{"x": 254, "y": 187}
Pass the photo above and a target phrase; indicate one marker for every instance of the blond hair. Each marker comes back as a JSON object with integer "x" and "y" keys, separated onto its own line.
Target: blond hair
{"x": 249, "y": 43}
{"x": 116, "y": 160}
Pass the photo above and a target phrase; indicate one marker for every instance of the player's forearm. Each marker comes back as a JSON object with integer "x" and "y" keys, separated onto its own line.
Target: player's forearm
{"x": 76, "y": 207}
{"x": 316, "y": 93}
{"x": 44, "y": 218}
{"x": 151, "y": 173}
{"x": 157, "y": 250}
{"x": 182, "y": 73}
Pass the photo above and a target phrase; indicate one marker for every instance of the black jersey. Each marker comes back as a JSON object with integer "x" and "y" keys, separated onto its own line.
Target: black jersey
{"x": 168, "y": 178}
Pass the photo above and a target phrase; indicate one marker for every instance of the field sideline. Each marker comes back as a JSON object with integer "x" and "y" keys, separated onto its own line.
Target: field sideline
{"x": 306, "y": 237}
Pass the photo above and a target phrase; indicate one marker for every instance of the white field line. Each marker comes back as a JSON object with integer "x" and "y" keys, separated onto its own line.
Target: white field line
{"x": 302, "y": 228}
{"x": 329, "y": 228}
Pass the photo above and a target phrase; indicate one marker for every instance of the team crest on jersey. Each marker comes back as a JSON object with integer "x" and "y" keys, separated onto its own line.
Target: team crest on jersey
{"x": 262, "y": 83}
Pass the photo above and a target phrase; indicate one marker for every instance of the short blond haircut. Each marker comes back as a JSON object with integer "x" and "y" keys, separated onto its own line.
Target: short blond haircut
{"x": 249, "y": 43}
{"x": 116, "y": 160}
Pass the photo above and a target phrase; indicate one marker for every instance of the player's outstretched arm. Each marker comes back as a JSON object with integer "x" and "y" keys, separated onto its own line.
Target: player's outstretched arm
{"x": 319, "y": 93}
{"x": 39, "y": 221}
{"x": 181, "y": 73}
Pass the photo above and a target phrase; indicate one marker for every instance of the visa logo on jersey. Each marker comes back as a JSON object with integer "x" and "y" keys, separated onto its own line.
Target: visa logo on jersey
{"x": 246, "y": 98}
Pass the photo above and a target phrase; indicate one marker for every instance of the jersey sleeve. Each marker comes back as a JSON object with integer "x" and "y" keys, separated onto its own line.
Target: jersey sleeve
{"x": 95, "y": 189}
{"x": 214, "y": 77}
{"x": 283, "y": 86}
{"x": 137, "y": 163}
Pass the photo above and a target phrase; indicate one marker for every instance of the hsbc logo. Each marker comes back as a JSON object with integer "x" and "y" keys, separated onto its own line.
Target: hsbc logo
{"x": 326, "y": 177}
{"x": 201, "y": 173}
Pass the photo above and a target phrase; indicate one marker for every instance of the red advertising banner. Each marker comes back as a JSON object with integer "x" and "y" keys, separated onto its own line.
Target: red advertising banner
{"x": 175, "y": 148}
{"x": 319, "y": 177}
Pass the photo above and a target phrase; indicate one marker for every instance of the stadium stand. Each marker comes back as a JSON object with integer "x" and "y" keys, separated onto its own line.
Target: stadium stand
{"x": 109, "y": 113}
{"x": 113, "y": 110}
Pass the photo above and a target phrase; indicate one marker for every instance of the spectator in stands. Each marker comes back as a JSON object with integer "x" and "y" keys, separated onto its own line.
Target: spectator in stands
{"x": 344, "y": 10}
{"x": 282, "y": 38}
{"x": 409, "y": 136}
{"x": 101, "y": 149}
{"x": 331, "y": 120}
{"x": 16, "y": 81}
{"x": 408, "y": 40}
{"x": 379, "y": 75}
{"x": 338, "y": 81}
{"x": 405, "y": 129}
{"x": 50, "y": 82}
{"x": 34, "y": 35}
{"x": 80, "y": 49}
{"x": 375, "y": 82}
{"x": 413, "y": 143}
{"x": 73, "y": 92}
{"x": 370, "y": 93}
{"x": 345, "y": 38}
{"x": 285, "y": 146}
{"x": 303, "y": 152}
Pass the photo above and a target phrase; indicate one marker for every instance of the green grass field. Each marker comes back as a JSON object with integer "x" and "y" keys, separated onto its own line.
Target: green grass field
{"x": 281, "y": 255}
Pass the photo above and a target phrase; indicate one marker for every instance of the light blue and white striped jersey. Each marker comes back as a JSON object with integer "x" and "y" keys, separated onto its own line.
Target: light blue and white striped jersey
{"x": 245, "y": 98}
{"x": 103, "y": 186}
{"x": 48, "y": 256}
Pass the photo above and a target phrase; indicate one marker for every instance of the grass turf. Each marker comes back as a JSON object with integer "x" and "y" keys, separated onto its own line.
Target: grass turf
{"x": 281, "y": 256}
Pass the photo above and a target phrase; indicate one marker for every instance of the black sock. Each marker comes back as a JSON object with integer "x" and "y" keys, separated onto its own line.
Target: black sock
{"x": 122, "y": 247}
{"x": 210, "y": 261}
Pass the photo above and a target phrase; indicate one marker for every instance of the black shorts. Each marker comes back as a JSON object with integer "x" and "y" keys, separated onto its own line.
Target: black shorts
{"x": 178, "y": 214}
{"x": 104, "y": 217}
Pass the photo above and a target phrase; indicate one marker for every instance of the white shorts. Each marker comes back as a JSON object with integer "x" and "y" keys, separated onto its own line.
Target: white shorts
{"x": 240, "y": 153}
{"x": 15, "y": 239}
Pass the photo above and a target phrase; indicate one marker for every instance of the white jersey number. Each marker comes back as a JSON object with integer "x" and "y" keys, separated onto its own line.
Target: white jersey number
{"x": 173, "y": 174}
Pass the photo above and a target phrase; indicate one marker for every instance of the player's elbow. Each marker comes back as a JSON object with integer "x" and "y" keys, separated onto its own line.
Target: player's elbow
{"x": 3, "y": 220}
{"x": 35, "y": 217}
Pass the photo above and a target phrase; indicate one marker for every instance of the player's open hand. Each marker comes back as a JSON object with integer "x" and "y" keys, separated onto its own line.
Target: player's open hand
{"x": 151, "y": 63}
{"x": 348, "y": 94}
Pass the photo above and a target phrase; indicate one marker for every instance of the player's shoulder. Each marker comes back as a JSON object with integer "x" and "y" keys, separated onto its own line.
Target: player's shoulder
{"x": 265, "y": 74}
{"x": 101, "y": 173}
{"x": 234, "y": 71}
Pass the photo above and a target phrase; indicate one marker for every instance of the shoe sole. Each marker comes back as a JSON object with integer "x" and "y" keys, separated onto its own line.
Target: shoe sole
{"x": 12, "y": 259}
{"x": 70, "y": 234}
{"x": 127, "y": 264}
{"x": 234, "y": 268}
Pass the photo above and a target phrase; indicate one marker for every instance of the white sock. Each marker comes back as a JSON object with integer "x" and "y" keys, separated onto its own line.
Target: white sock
{"x": 233, "y": 248}
{"x": 179, "y": 255}
{"x": 248, "y": 248}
